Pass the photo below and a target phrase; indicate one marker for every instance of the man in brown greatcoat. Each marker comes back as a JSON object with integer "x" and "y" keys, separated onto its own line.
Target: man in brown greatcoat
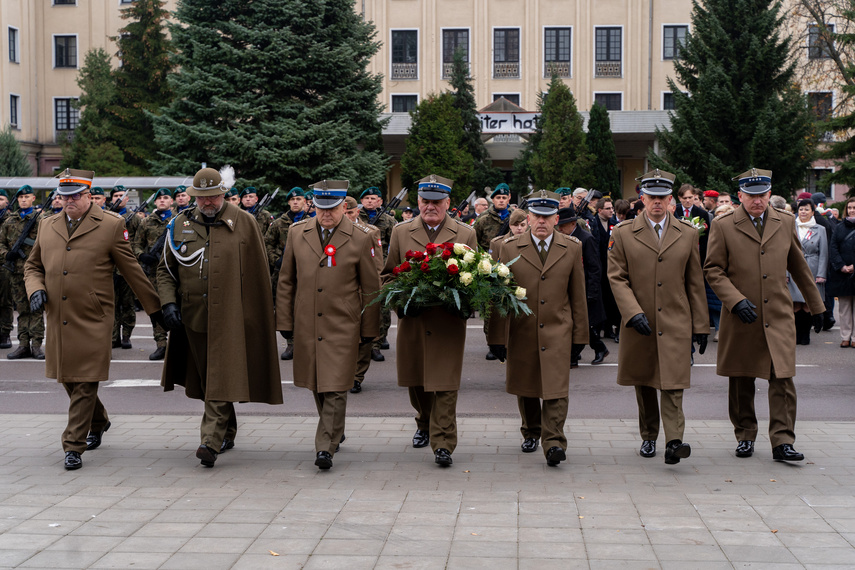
{"x": 220, "y": 350}
{"x": 328, "y": 277}
{"x": 655, "y": 273}
{"x": 538, "y": 373}
{"x": 430, "y": 341}
{"x": 749, "y": 254}
{"x": 69, "y": 272}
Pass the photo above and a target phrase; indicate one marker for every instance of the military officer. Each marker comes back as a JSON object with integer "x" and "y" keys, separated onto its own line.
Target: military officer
{"x": 327, "y": 279}
{"x": 565, "y": 197}
{"x": 749, "y": 254}
{"x": 655, "y": 273}
{"x": 6, "y": 305}
{"x": 538, "y": 371}
{"x": 31, "y": 324}
{"x": 372, "y": 204}
{"x": 69, "y": 273}
{"x": 249, "y": 203}
{"x": 233, "y": 197}
{"x": 220, "y": 350}
{"x": 181, "y": 199}
{"x": 488, "y": 224}
{"x": 430, "y": 342}
{"x": 98, "y": 197}
{"x": 148, "y": 247}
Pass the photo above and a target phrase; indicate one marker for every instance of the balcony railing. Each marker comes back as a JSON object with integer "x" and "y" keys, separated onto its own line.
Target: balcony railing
{"x": 607, "y": 69}
{"x": 64, "y": 137}
{"x": 506, "y": 70}
{"x": 447, "y": 68}
{"x": 405, "y": 71}
{"x": 560, "y": 68}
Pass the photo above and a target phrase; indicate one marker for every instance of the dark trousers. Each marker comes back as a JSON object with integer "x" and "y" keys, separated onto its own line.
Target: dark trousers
{"x": 332, "y": 409}
{"x": 649, "y": 415}
{"x": 782, "y": 409}
{"x": 436, "y": 413}
{"x": 363, "y": 361}
{"x": 544, "y": 420}
{"x": 85, "y": 413}
{"x": 219, "y": 420}
{"x": 594, "y": 340}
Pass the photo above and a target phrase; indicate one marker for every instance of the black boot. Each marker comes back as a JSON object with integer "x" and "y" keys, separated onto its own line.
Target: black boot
{"x": 803, "y": 324}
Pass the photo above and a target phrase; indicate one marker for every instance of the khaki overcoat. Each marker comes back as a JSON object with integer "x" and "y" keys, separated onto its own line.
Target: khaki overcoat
{"x": 324, "y": 305}
{"x": 229, "y": 299}
{"x": 740, "y": 265}
{"x": 429, "y": 347}
{"x": 538, "y": 364}
{"x": 77, "y": 275}
{"x": 665, "y": 281}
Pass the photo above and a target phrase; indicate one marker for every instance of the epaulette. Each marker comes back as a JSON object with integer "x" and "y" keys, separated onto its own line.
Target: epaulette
{"x": 726, "y": 214}
{"x": 112, "y": 213}
{"x": 464, "y": 224}
{"x": 572, "y": 238}
{"x": 509, "y": 238}
{"x": 303, "y": 221}
{"x": 685, "y": 221}
{"x": 365, "y": 229}
{"x": 407, "y": 221}
{"x": 792, "y": 215}
{"x": 620, "y": 223}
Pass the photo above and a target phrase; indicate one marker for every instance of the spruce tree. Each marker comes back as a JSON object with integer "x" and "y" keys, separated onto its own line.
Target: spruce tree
{"x": 141, "y": 81}
{"x": 742, "y": 109}
{"x": 436, "y": 145}
{"x": 279, "y": 89}
{"x": 13, "y": 161}
{"x": 602, "y": 146}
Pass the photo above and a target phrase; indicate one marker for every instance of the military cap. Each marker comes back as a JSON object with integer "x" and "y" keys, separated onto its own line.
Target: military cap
{"x": 329, "y": 193}
{"x": 72, "y": 181}
{"x": 501, "y": 190}
{"x": 564, "y": 191}
{"x": 248, "y": 190}
{"x": 657, "y": 183}
{"x": 117, "y": 188}
{"x": 207, "y": 182}
{"x": 232, "y": 192}
{"x": 179, "y": 190}
{"x": 435, "y": 187}
{"x": 409, "y": 209}
{"x": 566, "y": 215}
{"x": 710, "y": 194}
{"x": 25, "y": 189}
{"x": 96, "y": 191}
{"x": 295, "y": 191}
{"x": 309, "y": 195}
{"x": 818, "y": 198}
{"x": 755, "y": 181}
{"x": 350, "y": 201}
{"x": 542, "y": 203}
{"x": 372, "y": 191}
{"x": 162, "y": 192}
{"x": 3, "y": 193}
{"x": 516, "y": 217}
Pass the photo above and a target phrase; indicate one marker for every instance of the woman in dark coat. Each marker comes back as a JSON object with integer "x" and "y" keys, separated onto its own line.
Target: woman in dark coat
{"x": 841, "y": 282}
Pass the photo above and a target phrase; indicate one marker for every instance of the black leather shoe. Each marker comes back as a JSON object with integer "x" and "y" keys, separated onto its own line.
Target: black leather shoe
{"x": 421, "y": 438}
{"x": 338, "y": 447}
{"x": 72, "y": 460}
{"x": 745, "y": 448}
{"x": 117, "y": 343}
{"x": 126, "y": 342}
{"x": 554, "y": 456}
{"x": 676, "y": 450}
{"x": 357, "y": 388}
{"x": 617, "y": 338}
{"x": 600, "y": 356}
{"x": 93, "y": 440}
{"x": 490, "y": 355}
{"x": 227, "y": 445}
{"x": 5, "y": 341}
{"x": 529, "y": 445}
{"x": 23, "y": 351}
{"x": 158, "y": 354}
{"x": 648, "y": 448}
{"x": 323, "y": 460}
{"x": 288, "y": 353}
{"x": 785, "y": 452}
{"x": 384, "y": 344}
{"x": 574, "y": 363}
{"x": 442, "y": 457}
{"x": 37, "y": 352}
{"x": 207, "y": 455}
{"x": 377, "y": 356}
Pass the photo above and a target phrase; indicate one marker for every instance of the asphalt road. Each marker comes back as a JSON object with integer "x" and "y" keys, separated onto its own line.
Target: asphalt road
{"x": 825, "y": 381}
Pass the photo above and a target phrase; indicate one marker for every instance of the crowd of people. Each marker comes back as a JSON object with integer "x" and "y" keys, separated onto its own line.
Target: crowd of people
{"x": 657, "y": 274}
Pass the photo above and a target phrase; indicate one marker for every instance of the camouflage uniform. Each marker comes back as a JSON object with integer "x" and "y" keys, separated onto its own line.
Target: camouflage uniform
{"x": 274, "y": 241}
{"x": 125, "y": 316}
{"x": 487, "y": 226}
{"x": 5, "y": 291}
{"x": 385, "y": 225}
{"x": 31, "y": 326}
{"x": 264, "y": 219}
{"x": 145, "y": 237}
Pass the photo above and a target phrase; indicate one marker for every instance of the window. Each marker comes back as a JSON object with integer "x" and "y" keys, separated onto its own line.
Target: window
{"x": 65, "y": 2}
{"x": 451, "y": 41}
{"x": 512, "y": 97}
{"x": 13, "y": 45}
{"x": 817, "y": 45}
{"x": 820, "y": 104}
{"x": 506, "y": 53}
{"x": 668, "y": 102}
{"x": 608, "y": 52}
{"x": 556, "y": 52}
{"x": 405, "y": 54}
{"x": 66, "y": 115}
{"x": 611, "y": 101}
{"x": 65, "y": 51}
{"x": 14, "y": 105}
{"x": 814, "y": 175}
{"x": 404, "y": 103}
{"x": 674, "y": 37}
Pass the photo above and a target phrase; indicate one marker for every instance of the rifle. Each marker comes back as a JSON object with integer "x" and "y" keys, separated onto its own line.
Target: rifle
{"x": 583, "y": 205}
{"x": 458, "y": 211}
{"x": 392, "y": 204}
{"x": 263, "y": 203}
{"x": 507, "y": 223}
{"x": 157, "y": 251}
{"x": 25, "y": 234}
{"x": 140, "y": 208}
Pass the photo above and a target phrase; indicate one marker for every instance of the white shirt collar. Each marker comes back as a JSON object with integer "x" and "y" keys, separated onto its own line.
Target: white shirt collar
{"x": 537, "y": 240}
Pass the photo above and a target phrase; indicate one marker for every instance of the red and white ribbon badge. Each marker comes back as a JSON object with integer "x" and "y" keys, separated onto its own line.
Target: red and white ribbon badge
{"x": 330, "y": 251}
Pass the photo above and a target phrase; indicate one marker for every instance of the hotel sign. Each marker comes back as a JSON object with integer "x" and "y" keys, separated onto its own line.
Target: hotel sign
{"x": 507, "y": 123}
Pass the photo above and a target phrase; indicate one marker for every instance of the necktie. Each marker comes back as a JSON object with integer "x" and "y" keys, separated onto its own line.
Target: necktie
{"x": 758, "y": 223}
{"x": 542, "y": 245}
{"x": 327, "y": 234}
{"x": 686, "y": 212}
{"x": 658, "y": 228}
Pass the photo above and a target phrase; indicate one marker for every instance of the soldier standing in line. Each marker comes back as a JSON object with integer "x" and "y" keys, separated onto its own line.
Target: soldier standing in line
{"x": 31, "y": 324}
{"x": 488, "y": 224}
{"x": 329, "y": 266}
{"x": 125, "y": 318}
{"x": 233, "y": 197}
{"x": 248, "y": 203}
{"x": 6, "y": 305}
{"x": 538, "y": 370}
{"x": 181, "y": 199}
{"x": 372, "y": 204}
{"x": 98, "y": 197}
{"x": 148, "y": 247}
{"x": 565, "y": 198}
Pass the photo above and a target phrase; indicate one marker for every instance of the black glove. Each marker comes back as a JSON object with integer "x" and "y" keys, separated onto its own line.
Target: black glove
{"x": 157, "y": 319}
{"x": 640, "y": 324}
{"x": 818, "y": 321}
{"x": 287, "y": 335}
{"x": 745, "y": 311}
{"x": 37, "y": 300}
{"x": 363, "y": 340}
{"x": 12, "y": 256}
{"x": 171, "y": 317}
{"x": 148, "y": 259}
{"x": 701, "y": 341}
{"x": 500, "y": 351}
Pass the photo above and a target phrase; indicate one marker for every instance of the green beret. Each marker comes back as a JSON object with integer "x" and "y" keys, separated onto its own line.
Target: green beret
{"x": 117, "y": 188}
{"x": 564, "y": 191}
{"x": 25, "y": 189}
{"x": 248, "y": 190}
{"x": 309, "y": 195}
{"x": 97, "y": 191}
{"x": 295, "y": 191}
{"x": 501, "y": 190}
{"x": 162, "y": 192}
{"x": 232, "y": 192}
{"x": 179, "y": 190}
{"x": 372, "y": 191}
{"x": 3, "y": 193}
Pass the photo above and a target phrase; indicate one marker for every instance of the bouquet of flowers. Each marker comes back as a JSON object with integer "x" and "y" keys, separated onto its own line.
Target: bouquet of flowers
{"x": 699, "y": 224}
{"x": 456, "y": 277}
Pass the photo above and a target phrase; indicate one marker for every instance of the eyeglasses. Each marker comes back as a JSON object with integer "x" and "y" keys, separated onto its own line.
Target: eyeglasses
{"x": 73, "y": 197}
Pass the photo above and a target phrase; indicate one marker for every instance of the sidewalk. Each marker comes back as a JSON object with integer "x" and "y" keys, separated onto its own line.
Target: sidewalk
{"x": 143, "y": 501}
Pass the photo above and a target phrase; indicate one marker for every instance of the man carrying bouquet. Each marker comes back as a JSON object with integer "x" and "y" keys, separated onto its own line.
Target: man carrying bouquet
{"x": 551, "y": 271}
{"x": 431, "y": 339}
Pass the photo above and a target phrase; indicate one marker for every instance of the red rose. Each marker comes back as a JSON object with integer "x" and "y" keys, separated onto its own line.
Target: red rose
{"x": 409, "y": 254}
{"x": 448, "y": 246}
{"x": 396, "y": 271}
{"x": 431, "y": 248}
{"x": 446, "y": 255}
{"x": 453, "y": 269}
{"x": 424, "y": 266}
{"x": 418, "y": 255}
{"x": 405, "y": 266}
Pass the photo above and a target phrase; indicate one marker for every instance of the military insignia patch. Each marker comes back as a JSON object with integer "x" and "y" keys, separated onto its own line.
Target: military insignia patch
{"x": 186, "y": 222}
{"x": 611, "y": 244}
{"x": 230, "y": 223}
{"x": 184, "y": 248}
{"x": 126, "y": 235}
{"x": 372, "y": 252}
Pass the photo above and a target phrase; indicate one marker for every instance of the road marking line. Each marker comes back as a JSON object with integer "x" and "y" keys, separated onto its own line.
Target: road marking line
{"x": 134, "y": 383}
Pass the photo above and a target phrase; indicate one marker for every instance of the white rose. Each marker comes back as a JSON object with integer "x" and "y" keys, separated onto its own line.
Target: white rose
{"x": 502, "y": 270}
{"x": 485, "y": 266}
{"x": 506, "y": 281}
{"x": 452, "y": 261}
{"x": 466, "y": 278}
{"x": 459, "y": 248}
{"x": 469, "y": 257}
{"x": 520, "y": 293}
